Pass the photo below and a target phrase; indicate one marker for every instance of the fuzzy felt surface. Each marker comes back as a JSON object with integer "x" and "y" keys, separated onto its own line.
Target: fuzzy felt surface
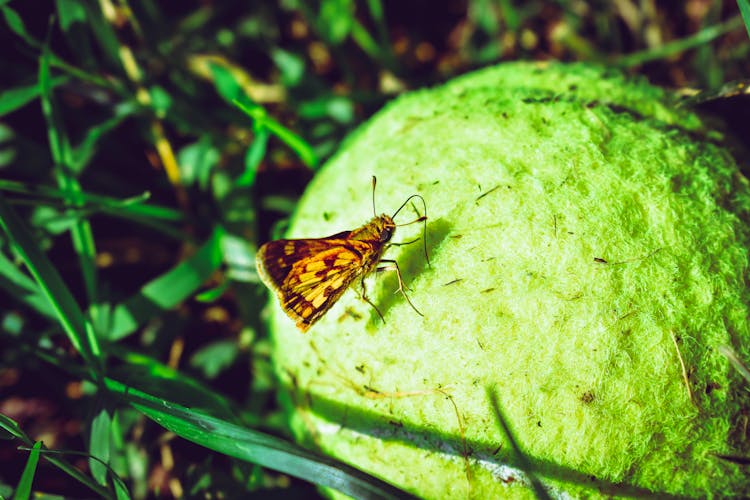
{"x": 588, "y": 250}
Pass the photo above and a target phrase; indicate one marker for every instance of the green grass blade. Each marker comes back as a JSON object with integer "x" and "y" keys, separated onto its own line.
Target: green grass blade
{"x": 677, "y": 46}
{"x": 291, "y": 139}
{"x": 62, "y": 155}
{"x": 229, "y": 89}
{"x": 254, "y": 156}
{"x": 83, "y": 153}
{"x": 19, "y": 286}
{"x": 365, "y": 41}
{"x": 121, "y": 491}
{"x": 16, "y": 98}
{"x": 99, "y": 445}
{"x": 143, "y": 372}
{"x": 335, "y": 20}
{"x": 57, "y": 141}
{"x": 23, "y": 490}
{"x": 744, "y": 6}
{"x": 169, "y": 289}
{"x": 15, "y": 24}
{"x": 378, "y": 15}
{"x": 133, "y": 208}
{"x": 70, "y": 12}
{"x": 226, "y": 85}
{"x": 67, "y": 311}
{"x": 103, "y": 31}
{"x": 256, "y": 447}
{"x": 11, "y": 427}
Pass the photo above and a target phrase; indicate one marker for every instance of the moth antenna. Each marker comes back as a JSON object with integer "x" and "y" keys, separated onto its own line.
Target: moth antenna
{"x": 422, "y": 218}
{"x": 374, "y": 181}
{"x": 424, "y": 234}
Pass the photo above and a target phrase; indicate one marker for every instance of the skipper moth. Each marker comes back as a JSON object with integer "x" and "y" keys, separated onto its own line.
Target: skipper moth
{"x": 309, "y": 275}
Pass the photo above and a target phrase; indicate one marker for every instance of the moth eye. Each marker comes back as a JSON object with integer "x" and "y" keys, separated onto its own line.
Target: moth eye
{"x": 386, "y": 234}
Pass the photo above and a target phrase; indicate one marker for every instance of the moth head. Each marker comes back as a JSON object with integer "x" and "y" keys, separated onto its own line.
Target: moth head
{"x": 387, "y": 228}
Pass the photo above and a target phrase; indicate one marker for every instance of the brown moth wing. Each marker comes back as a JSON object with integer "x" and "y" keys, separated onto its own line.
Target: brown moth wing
{"x": 275, "y": 259}
{"x": 309, "y": 275}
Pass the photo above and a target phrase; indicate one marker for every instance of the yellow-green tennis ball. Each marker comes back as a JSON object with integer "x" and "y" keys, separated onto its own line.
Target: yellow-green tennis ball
{"x": 589, "y": 255}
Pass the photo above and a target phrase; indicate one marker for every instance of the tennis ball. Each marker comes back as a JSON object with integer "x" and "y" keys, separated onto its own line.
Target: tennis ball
{"x": 587, "y": 247}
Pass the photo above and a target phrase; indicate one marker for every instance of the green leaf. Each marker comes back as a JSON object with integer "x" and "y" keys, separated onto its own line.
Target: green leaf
{"x": 19, "y": 286}
{"x": 672, "y": 48}
{"x": 745, "y": 11}
{"x": 15, "y": 98}
{"x": 15, "y": 23}
{"x": 254, "y": 156}
{"x": 256, "y": 447}
{"x": 70, "y": 12}
{"x": 23, "y": 490}
{"x": 129, "y": 208}
{"x": 62, "y": 155}
{"x": 239, "y": 258}
{"x": 294, "y": 141}
{"x": 82, "y": 154}
{"x": 57, "y": 141}
{"x": 291, "y": 65}
{"x": 213, "y": 294}
{"x": 335, "y": 20}
{"x": 215, "y": 357}
{"x": 161, "y": 381}
{"x": 197, "y": 161}
{"x": 226, "y": 84}
{"x": 121, "y": 491}
{"x": 340, "y": 108}
{"x": 161, "y": 101}
{"x": 99, "y": 445}
{"x": 11, "y": 427}
{"x": 169, "y": 289}
{"x": 104, "y": 32}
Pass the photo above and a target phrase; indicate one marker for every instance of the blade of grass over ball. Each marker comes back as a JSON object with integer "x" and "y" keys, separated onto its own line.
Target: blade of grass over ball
{"x": 256, "y": 447}
{"x": 169, "y": 289}
{"x": 520, "y": 456}
{"x": 735, "y": 361}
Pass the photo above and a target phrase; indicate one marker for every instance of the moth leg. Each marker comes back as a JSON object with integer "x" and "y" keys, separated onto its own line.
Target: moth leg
{"x": 367, "y": 299}
{"x": 393, "y": 266}
{"x": 400, "y": 244}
